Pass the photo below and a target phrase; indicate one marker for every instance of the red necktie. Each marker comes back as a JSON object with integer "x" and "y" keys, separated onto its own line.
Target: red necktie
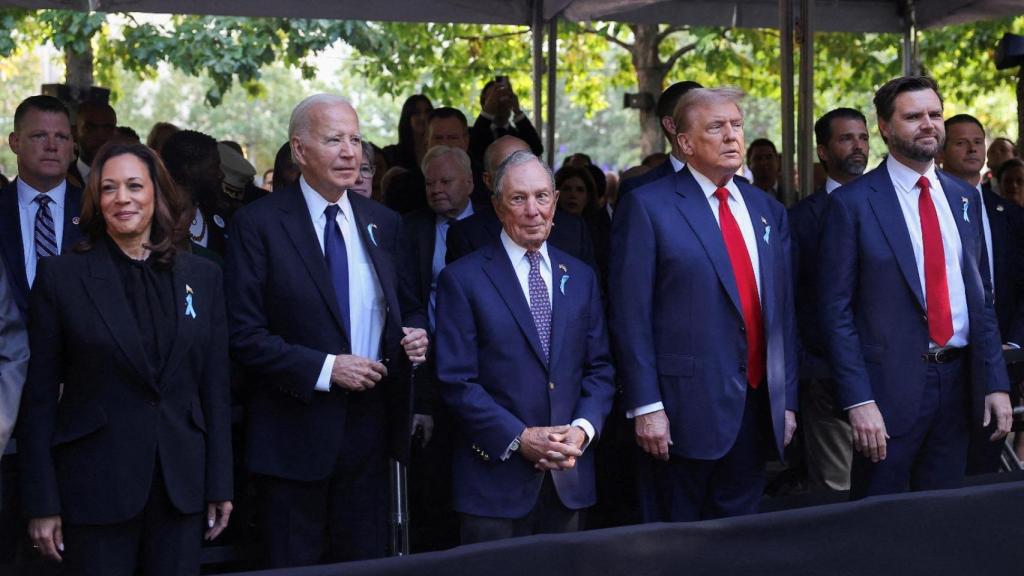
{"x": 746, "y": 282}
{"x": 940, "y": 318}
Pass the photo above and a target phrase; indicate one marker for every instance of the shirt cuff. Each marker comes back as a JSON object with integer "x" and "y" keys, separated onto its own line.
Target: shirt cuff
{"x": 1013, "y": 345}
{"x": 645, "y": 409}
{"x": 848, "y": 408}
{"x": 588, "y": 430}
{"x": 323, "y": 382}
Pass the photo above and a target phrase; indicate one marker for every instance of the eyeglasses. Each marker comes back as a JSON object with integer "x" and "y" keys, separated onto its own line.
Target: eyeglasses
{"x": 366, "y": 171}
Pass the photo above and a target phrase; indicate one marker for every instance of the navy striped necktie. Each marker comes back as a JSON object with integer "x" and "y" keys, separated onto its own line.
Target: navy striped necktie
{"x": 45, "y": 233}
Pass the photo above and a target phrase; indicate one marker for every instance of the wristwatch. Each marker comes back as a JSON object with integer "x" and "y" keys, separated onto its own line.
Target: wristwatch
{"x": 514, "y": 446}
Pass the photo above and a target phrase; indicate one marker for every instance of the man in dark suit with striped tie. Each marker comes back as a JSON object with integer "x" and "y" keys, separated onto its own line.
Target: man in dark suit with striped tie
{"x": 39, "y": 209}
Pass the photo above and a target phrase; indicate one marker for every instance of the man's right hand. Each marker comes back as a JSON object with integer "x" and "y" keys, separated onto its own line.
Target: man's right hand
{"x": 46, "y": 536}
{"x": 653, "y": 434}
{"x": 547, "y": 444}
{"x": 355, "y": 373}
{"x": 869, "y": 434}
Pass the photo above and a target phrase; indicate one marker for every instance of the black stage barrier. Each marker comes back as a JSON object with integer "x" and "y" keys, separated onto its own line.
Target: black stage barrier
{"x": 965, "y": 532}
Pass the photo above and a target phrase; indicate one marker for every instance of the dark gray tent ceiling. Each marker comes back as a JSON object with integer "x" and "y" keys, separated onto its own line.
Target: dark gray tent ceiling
{"x": 830, "y": 15}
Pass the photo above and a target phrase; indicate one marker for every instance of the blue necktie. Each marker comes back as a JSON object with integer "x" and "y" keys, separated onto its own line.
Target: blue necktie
{"x": 540, "y": 303}
{"x": 45, "y": 233}
{"x": 337, "y": 264}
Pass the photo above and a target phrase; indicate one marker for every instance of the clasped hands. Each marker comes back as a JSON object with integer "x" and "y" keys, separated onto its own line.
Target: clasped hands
{"x": 552, "y": 447}
{"x": 356, "y": 373}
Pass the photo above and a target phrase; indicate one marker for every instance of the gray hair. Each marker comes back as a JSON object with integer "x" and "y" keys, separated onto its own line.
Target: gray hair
{"x": 518, "y": 158}
{"x": 440, "y": 151}
{"x": 699, "y": 97}
{"x": 369, "y": 156}
{"x": 298, "y": 124}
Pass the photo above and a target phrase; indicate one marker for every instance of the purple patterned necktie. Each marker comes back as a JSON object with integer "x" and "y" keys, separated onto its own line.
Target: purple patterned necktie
{"x": 540, "y": 303}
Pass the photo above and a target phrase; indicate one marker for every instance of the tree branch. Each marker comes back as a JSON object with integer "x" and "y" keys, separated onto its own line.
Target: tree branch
{"x": 670, "y": 31}
{"x": 678, "y": 54}
{"x": 492, "y": 36}
{"x": 607, "y": 36}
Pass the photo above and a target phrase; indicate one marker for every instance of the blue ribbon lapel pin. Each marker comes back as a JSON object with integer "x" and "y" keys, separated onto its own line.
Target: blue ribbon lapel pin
{"x": 190, "y": 309}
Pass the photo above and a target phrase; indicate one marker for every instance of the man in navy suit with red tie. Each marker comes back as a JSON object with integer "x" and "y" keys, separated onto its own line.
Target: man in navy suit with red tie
{"x": 523, "y": 365}
{"x": 325, "y": 332}
{"x": 906, "y": 308}
{"x": 703, "y": 323}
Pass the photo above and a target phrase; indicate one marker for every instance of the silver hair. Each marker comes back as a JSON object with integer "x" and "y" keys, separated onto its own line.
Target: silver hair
{"x": 518, "y": 158}
{"x": 698, "y": 97}
{"x": 298, "y": 124}
{"x": 369, "y": 156}
{"x": 440, "y": 151}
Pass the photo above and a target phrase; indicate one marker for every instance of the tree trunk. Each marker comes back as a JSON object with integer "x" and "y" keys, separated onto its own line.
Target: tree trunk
{"x": 1020, "y": 111}
{"x": 650, "y": 78}
{"x": 78, "y": 71}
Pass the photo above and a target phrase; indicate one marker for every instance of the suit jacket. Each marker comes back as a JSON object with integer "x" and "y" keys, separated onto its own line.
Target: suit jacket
{"x": 12, "y": 246}
{"x": 872, "y": 303}
{"x": 496, "y": 381}
{"x": 676, "y": 319}
{"x": 806, "y": 219}
{"x": 284, "y": 320}
{"x": 481, "y": 135}
{"x": 13, "y": 359}
{"x": 657, "y": 173}
{"x": 89, "y": 447}
{"x": 1006, "y": 221}
{"x": 569, "y": 234}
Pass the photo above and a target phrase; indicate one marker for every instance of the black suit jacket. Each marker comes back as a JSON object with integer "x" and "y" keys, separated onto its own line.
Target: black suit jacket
{"x": 11, "y": 246}
{"x": 1006, "y": 221}
{"x": 569, "y": 234}
{"x": 89, "y": 450}
{"x": 481, "y": 135}
{"x": 284, "y": 320}
{"x": 806, "y": 218}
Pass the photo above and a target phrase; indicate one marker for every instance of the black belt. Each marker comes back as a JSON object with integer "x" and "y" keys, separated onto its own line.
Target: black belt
{"x": 944, "y": 356}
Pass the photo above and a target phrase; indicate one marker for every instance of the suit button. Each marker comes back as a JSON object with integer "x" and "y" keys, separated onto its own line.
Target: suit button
{"x": 924, "y": 319}
{"x": 551, "y": 385}
{"x": 743, "y": 328}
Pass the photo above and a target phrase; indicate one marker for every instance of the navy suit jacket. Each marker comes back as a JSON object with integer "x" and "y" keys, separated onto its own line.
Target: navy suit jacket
{"x": 496, "y": 382}
{"x": 872, "y": 303}
{"x": 284, "y": 320}
{"x": 12, "y": 247}
{"x": 676, "y": 320}
{"x": 569, "y": 234}
{"x": 806, "y": 219}
{"x": 95, "y": 416}
{"x": 1006, "y": 221}
{"x": 657, "y": 173}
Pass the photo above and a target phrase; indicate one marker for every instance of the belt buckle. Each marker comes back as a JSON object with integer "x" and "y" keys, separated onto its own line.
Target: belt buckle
{"x": 943, "y": 356}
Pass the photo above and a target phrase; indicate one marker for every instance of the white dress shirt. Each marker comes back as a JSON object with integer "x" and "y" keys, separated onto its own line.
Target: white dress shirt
{"x": 987, "y": 228}
{"x": 905, "y": 179}
{"x": 27, "y": 210}
{"x": 521, "y": 265}
{"x": 831, "y": 185}
{"x": 742, "y": 216}
{"x": 441, "y": 224}
{"x": 84, "y": 170}
{"x": 365, "y": 297}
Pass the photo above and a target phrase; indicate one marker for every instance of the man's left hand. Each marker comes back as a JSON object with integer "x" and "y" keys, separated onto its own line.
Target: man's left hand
{"x": 415, "y": 344}
{"x": 790, "y": 428}
{"x": 575, "y": 436}
{"x": 997, "y": 407}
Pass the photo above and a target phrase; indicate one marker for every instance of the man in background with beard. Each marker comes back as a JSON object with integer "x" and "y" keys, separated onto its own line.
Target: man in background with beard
{"x": 906, "y": 308}
{"x": 842, "y": 138}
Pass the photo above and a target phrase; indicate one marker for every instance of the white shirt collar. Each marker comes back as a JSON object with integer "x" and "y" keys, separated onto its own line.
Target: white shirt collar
{"x": 831, "y": 185}
{"x": 516, "y": 252}
{"x": 84, "y": 170}
{"x": 906, "y": 177}
{"x": 317, "y": 203}
{"x": 26, "y": 193}
{"x": 709, "y": 187}
{"x": 677, "y": 164}
{"x": 466, "y": 213}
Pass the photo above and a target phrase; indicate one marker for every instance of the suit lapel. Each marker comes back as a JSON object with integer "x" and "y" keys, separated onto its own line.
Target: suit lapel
{"x": 499, "y": 269}
{"x": 184, "y": 286}
{"x": 763, "y": 234}
{"x": 426, "y": 234}
{"x": 297, "y": 225}
{"x": 10, "y": 238}
{"x": 997, "y": 224}
{"x": 105, "y": 290}
{"x": 970, "y": 227}
{"x": 562, "y": 286}
{"x": 72, "y": 210}
{"x": 887, "y": 210}
{"x": 371, "y": 235}
{"x": 695, "y": 209}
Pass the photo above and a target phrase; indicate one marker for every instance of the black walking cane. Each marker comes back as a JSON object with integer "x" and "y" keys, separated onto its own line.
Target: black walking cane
{"x": 400, "y": 499}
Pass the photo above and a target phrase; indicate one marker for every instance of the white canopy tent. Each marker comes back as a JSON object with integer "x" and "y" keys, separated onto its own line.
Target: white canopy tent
{"x": 894, "y": 16}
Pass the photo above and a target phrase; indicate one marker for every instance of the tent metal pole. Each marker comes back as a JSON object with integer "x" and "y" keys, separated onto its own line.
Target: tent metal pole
{"x": 537, "y": 32}
{"x": 805, "y": 138}
{"x": 909, "y": 52}
{"x": 786, "y": 73}
{"x": 549, "y": 144}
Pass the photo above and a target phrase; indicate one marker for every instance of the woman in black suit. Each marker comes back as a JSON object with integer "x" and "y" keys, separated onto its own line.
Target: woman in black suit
{"x": 125, "y": 419}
